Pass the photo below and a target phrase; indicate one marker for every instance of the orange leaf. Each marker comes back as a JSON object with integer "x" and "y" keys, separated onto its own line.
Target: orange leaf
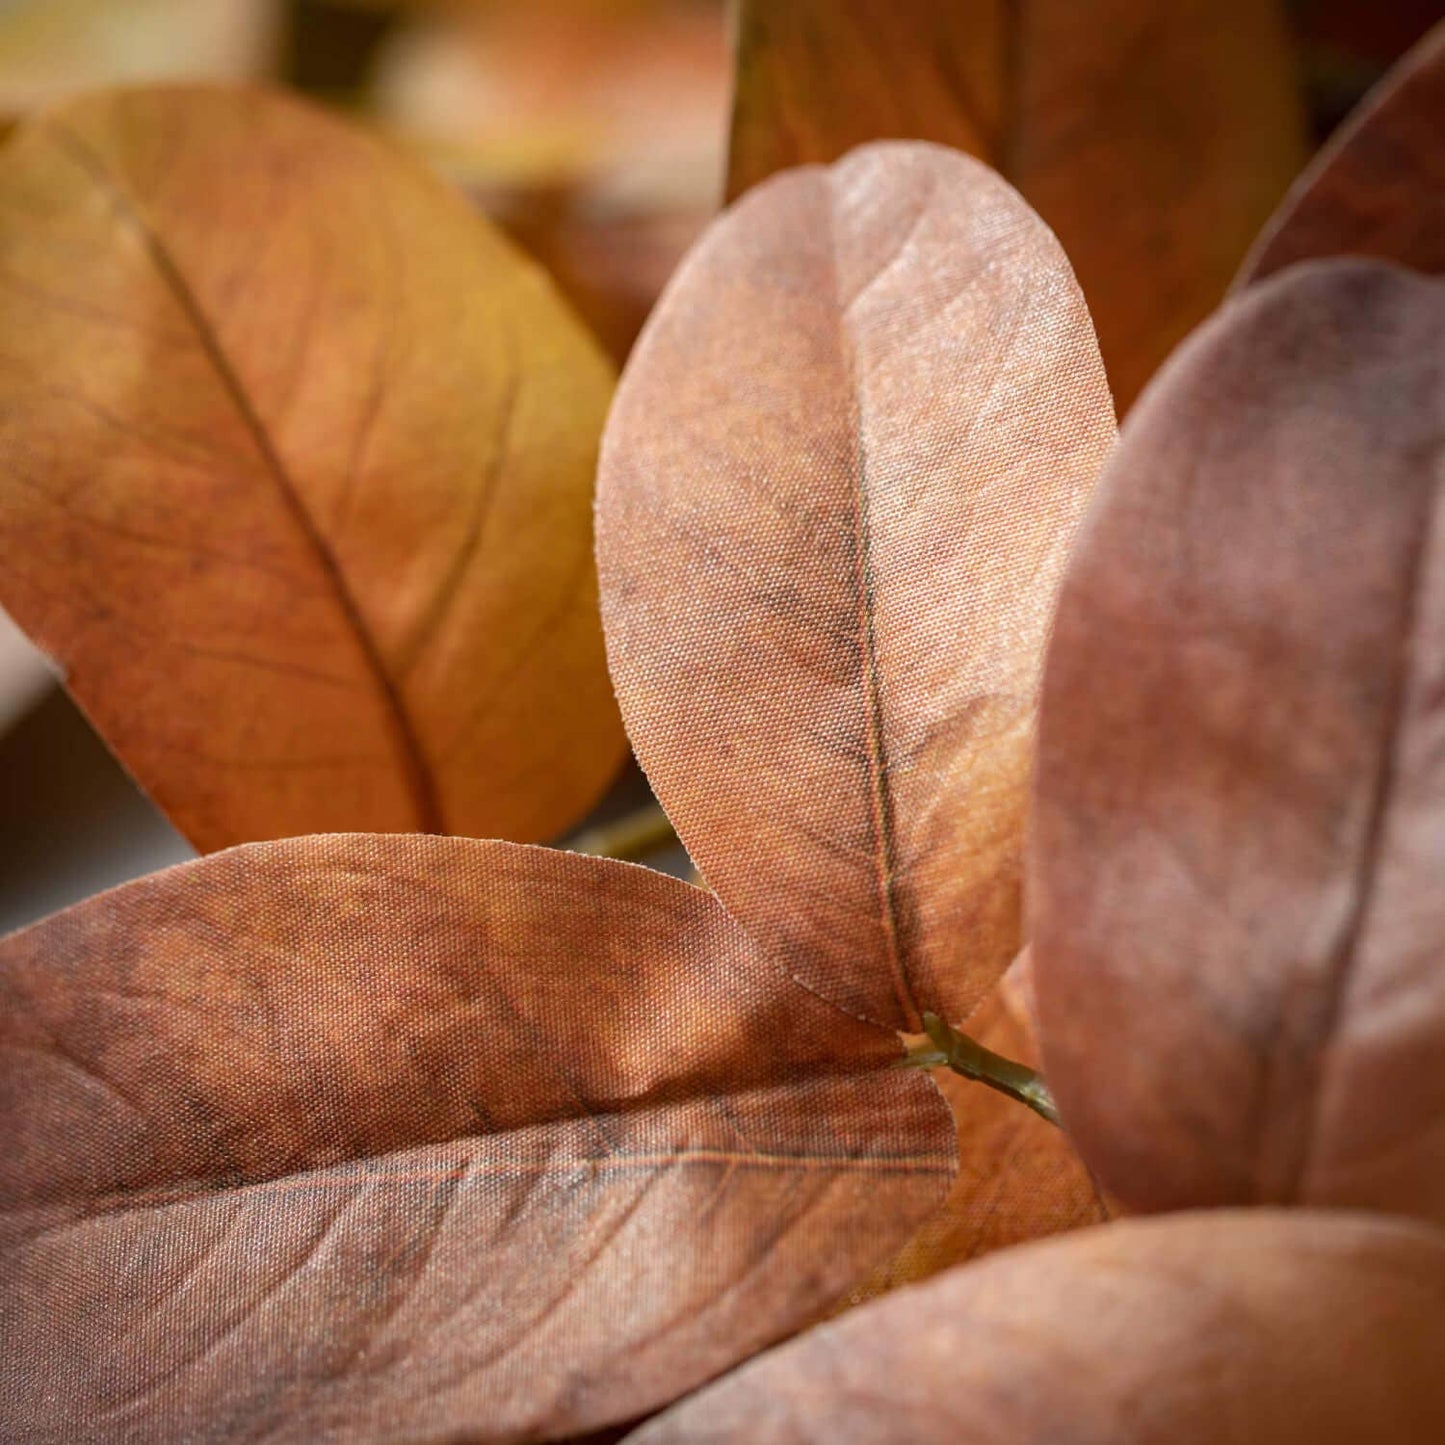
{"x": 1292, "y": 1328}
{"x": 372, "y": 1138}
{"x": 297, "y": 461}
{"x": 1239, "y": 831}
{"x": 1153, "y": 138}
{"x": 837, "y": 490}
{"x": 1378, "y": 187}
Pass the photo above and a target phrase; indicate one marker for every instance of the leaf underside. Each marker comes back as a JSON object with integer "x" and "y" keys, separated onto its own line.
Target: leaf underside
{"x": 836, "y": 495}
{"x": 1236, "y": 909}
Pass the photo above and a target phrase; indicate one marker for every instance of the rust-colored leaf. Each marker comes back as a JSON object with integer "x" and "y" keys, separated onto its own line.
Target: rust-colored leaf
{"x": 295, "y": 474}
{"x": 1154, "y": 138}
{"x": 1239, "y": 837}
{"x": 1018, "y": 1176}
{"x": 407, "y": 1138}
{"x": 1378, "y": 188}
{"x": 1296, "y": 1328}
{"x": 837, "y": 489}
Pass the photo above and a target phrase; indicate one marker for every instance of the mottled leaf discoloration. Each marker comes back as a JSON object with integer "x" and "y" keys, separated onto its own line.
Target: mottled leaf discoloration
{"x": 379, "y": 1138}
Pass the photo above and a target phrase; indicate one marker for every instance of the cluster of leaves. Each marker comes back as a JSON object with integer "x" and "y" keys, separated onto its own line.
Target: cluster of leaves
{"x": 383, "y": 1134}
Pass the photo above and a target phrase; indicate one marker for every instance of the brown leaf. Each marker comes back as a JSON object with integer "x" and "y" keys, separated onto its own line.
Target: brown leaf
{"x": 1154, "y": 138}
{"x": 1239, "y": 832}
{"x": 1018, "y": 1176}
{"x": 369, "y": 1138}
{"x": 836, "y": 492}
{"x": 1293, "y": 1328}
{"x": 296, "y": 463}
{"x": 1378, "y": 187}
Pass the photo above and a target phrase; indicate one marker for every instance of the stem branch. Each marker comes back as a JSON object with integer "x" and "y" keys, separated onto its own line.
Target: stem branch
{"x": 954, "y": 1050}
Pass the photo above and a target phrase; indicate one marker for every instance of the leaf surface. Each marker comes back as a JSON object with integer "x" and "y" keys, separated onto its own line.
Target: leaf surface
{"x": 1378, "y": 187}
{"x": 1239, "y": 830}
{"x": 1153, "y": 138}
{"x": 837, "y": 490}
{"x": 406, "y": 1138}
{"x": 295, "y": 474}
{"x": 1297, "y": 1328}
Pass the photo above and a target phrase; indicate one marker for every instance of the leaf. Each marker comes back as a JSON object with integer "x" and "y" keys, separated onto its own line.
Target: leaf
{"x": 1378, "y": 188}
{"x": 836, "y": 492}
{"x": 1239, "y": 831}
{"x": 376, "y": 1138}
{"x": 1154, "y": 139}
{"x": 1018, "y": 1177}
{"x": 295, "y": 474}
{"x": 1294, "y": 1328}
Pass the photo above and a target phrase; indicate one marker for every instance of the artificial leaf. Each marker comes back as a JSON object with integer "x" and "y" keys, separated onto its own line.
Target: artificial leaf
{"x": 295, "y": 474}
{"x": 408, "y": 1138}
{"x": 1239, "y": 831}
{"x": 1154, "y": 138}
{"x": 1018, "y": 1176}
{"x": 1378, "y": 188}
{"x": 836, "y": 493}
{"x": 1296, "y": 1328}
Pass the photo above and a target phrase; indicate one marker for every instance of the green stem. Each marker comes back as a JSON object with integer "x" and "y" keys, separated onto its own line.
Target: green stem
{"x": 954, "y": 1050}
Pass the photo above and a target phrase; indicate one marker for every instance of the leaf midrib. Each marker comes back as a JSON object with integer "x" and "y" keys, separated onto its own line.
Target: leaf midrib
{"x": 421, "y": 786}
{"x": 875, "y": 747}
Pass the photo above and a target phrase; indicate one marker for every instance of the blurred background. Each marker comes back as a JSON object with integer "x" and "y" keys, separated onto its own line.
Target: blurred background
{"x": 593, "y": 130}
